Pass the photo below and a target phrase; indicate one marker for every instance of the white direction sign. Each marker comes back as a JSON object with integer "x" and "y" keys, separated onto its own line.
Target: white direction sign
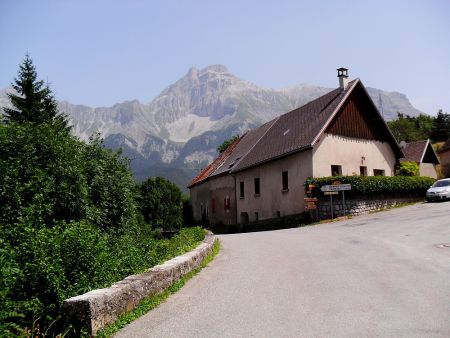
{"x": 339, "y": 187}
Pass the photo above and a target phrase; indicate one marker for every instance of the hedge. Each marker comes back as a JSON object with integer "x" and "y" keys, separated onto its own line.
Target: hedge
{"x": 374, "y": 185}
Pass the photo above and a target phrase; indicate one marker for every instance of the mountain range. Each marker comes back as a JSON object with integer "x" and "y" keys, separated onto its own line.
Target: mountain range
{"x": 177, "y": 133}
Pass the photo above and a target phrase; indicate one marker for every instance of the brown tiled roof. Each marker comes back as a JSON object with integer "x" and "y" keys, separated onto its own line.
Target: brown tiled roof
{"x": 420, "y": 152}
{"x": 296, "y": 130}
{"x": 247, "y": 142}
{"x": 207, "y": 171}
{"x": 414, "y": 151}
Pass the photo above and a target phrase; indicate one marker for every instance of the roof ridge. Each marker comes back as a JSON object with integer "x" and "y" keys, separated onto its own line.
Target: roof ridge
{"x": 417, "y": 141}
{"x": 425, "y": 149}
{"x": 210, "y": 168}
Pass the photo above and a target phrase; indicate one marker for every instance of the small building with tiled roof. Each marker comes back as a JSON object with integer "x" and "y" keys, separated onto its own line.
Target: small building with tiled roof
{"x": 444, "y": 155}
{"x": 423, "y": 154}
{"x": 262, "y": 175}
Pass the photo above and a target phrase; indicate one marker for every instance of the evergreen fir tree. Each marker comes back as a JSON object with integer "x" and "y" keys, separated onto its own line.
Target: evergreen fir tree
{"x": 441, "y": 127}
{"x": 33, "y": 101}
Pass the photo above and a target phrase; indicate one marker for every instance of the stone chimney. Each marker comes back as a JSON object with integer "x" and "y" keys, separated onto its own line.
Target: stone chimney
{"x": 343, "y": 77}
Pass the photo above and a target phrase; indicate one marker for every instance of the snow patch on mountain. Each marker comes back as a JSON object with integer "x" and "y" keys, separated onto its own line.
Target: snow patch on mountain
{"x": 200, "y": 157}
{"x": 188, "y": 126}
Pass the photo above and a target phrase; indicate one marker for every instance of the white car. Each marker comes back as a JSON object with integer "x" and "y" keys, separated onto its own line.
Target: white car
{"x": 440, "y": 190}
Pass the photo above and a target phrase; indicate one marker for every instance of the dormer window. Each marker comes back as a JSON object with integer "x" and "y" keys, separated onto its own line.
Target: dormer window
{"x": 234, "y": 162}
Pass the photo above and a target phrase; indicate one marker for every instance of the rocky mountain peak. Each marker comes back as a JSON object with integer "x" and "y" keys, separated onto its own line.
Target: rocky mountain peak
{"x": 216, "y": 68}
{"x": 195, "y": 94}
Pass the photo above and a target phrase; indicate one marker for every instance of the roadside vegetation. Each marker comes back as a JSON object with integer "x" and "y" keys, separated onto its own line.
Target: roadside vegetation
{"x": 374, "y": 185}
{"x": 154, "y": 300}
{"x": 72, "y": 218}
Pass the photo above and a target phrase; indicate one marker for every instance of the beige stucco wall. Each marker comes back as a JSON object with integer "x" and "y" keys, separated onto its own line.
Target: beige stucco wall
{"x": 330, "y": 150}
{"x": 272, "y": 199}
{"x": 427, "y": 169}
{"x": 218, "y": 188}
{"x": 351, "y": 154}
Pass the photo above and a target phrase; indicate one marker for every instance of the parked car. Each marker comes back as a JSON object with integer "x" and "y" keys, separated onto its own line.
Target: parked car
{"x": 440, "y": 190}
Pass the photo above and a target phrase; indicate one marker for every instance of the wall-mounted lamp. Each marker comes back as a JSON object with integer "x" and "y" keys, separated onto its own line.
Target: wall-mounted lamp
{"x": 363, "y": 158}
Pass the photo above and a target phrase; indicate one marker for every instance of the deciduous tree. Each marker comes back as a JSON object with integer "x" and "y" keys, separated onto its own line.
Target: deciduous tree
{"x": 161, "y": 203}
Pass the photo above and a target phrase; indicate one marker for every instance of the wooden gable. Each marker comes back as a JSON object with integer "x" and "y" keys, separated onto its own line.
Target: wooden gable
{"x": 430, "y": 155}
{"x": 358, "y": 118}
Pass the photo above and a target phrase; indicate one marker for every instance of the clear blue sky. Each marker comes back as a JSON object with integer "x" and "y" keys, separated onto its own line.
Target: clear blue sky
{"x": 102, "y": 52}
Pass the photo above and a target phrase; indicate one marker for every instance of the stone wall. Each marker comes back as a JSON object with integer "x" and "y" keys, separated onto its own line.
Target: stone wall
{"x": 98, "y": 308}
{"x": 360, "y": 205}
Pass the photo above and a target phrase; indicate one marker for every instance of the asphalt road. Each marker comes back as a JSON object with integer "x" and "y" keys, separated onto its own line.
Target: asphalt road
{"x": 379, "y": 275}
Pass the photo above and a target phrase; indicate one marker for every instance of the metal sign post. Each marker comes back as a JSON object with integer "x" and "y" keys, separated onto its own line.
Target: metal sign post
{"x": 343, "y": 200}
{"x": 331, "y": 193}
{"x": 334, "y": 190}
{"x": 331, "y": 205}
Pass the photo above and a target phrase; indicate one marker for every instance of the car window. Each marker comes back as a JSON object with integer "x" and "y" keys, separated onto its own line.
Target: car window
{"x": 441, "y": 184}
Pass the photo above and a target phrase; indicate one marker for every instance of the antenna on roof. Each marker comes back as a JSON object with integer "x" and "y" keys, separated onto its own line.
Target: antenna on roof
{"x": 380, "y": 103}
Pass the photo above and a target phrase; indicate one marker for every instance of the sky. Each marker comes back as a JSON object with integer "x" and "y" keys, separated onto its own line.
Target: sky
{"x": 100, "y": 52}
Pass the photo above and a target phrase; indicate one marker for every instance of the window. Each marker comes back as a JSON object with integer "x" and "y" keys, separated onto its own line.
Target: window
{"x": 336, "y": 170}
{"x": 278, "y": 214}
{"x": 226, "y": 203}
{"x": 363, "y": 171}
{"x": 234, "y": 162}
{"x": 285, "y": 180}
{"x": 378, "y": 172}
{"x": 256, "y": 217}
{"x": 257, "y": 186}
{"x": 241, "y": 189}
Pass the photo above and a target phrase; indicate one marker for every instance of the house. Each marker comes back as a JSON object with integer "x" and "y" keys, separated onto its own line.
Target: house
{"x": 261, "y": 175}
{"x": 423, "y": 154}
{"x": 444, "y": 154}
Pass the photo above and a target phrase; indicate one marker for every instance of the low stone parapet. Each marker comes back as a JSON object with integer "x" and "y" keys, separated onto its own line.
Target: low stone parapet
{"x": 98, "y": 308}
{"x": 361, "y": 205}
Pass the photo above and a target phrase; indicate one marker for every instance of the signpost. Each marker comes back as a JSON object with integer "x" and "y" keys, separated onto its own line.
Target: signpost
{"x": 311, "y": 206}
{"x": 311, "y": 203}
{"x": 334, "y": 189}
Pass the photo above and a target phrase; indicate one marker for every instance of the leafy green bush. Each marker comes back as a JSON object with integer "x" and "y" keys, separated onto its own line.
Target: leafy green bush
{"x": 9, "y": 273}
{"x": 110, "y": 186}
{"x": 372, "y": 185}
{"x": 41, "y": 175}
{"x": 407, "y": 169}
{"x": 68, "y": 221}
{"x": 48, "y": 176}
{"x": 161, "y": 203}
{"x": 224, "y": 146}
{"x": 53, "y": 264}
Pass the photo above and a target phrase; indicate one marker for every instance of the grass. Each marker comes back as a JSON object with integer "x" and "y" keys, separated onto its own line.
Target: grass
{"x": 153, "y": 301}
